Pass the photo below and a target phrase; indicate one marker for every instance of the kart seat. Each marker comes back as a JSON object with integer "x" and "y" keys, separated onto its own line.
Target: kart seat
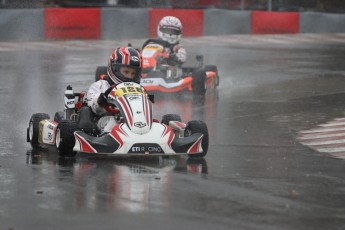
{"x": 85, "y": 122}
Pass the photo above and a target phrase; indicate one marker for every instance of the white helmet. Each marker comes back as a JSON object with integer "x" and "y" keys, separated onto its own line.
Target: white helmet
{"x": 170, "y": 29}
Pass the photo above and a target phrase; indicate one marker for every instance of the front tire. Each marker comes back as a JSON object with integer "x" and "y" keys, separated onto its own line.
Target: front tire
{"x": 64, "y": 139}
{"x": 33, "y": 129}
{"x": 199, "y": 82}
{"x": 101, "y": 70}
{"x": 59, "y": 116}
{"x": 198, "y": 127}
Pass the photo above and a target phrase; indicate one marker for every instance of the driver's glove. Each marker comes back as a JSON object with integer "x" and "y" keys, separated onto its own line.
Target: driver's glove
{"x": 181, "y": 55}
{"x": 103, "y": 97}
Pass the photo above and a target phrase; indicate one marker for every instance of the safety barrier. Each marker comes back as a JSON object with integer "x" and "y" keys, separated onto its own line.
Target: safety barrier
{"x": 22, "y": 25}
{"x": 313, "y": 22}
{"x": 275, "y": 22}
{"x": 79, "y": 23}
{"x": 121, "y": 23}
{"x": 218, "y": 22}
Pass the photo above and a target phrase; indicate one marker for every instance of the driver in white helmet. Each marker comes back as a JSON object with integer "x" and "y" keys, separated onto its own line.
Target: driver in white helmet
{"x": 124, "y": 65}
{"x": 169, "y": 31}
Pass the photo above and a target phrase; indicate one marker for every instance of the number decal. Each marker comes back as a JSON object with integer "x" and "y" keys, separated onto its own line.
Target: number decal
{"x": 129, "y": 90}
{"x": 139, "y": 90}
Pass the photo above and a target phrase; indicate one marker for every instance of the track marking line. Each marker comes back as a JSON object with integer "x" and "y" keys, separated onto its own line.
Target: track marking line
{"x": 326, "y": 138}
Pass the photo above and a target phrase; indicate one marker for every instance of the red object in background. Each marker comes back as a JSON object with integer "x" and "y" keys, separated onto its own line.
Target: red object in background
{"x": 83, "y": 23}
{"x": 192, "y": 20}
{"x": 275, "y": 22}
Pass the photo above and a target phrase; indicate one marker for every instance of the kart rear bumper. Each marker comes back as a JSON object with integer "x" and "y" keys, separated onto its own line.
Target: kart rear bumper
{"x": 161, "y": 85}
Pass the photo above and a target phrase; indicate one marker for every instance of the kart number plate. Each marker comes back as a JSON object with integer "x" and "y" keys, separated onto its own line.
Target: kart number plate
{"x": 129, "y": 90}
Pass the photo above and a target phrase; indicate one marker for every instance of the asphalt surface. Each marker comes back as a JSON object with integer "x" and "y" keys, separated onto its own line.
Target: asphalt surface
{"x": 256, "y": 174}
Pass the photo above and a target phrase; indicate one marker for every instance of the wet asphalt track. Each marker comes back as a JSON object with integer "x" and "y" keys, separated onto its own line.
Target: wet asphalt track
{"x": 256, "y": 175}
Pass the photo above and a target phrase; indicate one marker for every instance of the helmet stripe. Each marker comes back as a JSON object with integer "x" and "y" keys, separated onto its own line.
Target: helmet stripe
{"x": 125, "y": 55}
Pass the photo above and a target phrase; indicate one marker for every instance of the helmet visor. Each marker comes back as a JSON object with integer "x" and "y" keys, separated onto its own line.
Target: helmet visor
{"x": 172, "y": 31}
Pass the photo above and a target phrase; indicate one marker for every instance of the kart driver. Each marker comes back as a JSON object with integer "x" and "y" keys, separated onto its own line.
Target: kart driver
{"x": 124, "y": 65}
{"x": 169, "y": 31}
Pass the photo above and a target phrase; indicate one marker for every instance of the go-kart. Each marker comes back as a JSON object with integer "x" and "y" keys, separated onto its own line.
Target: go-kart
{"x": 161, "y": 75}
{"x": 136, "y": 132}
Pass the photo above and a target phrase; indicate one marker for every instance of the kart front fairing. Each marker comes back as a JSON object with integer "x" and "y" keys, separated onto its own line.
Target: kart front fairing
{"x": 153, "y": 55}
{"x": 160, "y": 140}
{"x": 137, "y": 132}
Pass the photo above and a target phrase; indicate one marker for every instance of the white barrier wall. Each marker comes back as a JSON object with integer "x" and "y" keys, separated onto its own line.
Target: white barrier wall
{"x": 217, "y": 22}
{"x": 121, "y": 23}
{"x": 321, "y": 23}
{"x": 22, "y": 25}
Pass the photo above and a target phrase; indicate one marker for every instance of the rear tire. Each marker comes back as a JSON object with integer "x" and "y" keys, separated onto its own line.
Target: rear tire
{"x": 199, "y": 82}
{"x": 64, "y": 139}
{"x": 59, "y": 116}
{"x": 100, "y": 71}
{"x": 33, "y": 129}
{"x": 198, "y": 127}
{"x": 170, "y": 117}
{"x": 213, "y": 68}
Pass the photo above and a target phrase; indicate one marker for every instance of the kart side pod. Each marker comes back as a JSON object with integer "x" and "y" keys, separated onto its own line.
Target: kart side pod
{"x": 47, "y": 131}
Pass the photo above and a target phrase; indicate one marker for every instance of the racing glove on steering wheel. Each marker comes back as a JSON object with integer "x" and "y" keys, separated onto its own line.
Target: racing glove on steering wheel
{"x": 103, "y": 97}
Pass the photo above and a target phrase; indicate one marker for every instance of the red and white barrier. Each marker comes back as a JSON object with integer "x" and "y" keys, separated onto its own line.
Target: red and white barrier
{"x": 79, "y": 23}
{"x": 122, "y": 23}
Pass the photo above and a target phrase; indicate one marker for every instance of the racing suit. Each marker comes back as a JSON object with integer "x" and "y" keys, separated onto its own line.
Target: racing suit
{"x": 105, "y": 122}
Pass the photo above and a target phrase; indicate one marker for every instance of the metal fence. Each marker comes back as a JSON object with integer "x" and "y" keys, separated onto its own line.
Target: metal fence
{"x": 335, "y": 6}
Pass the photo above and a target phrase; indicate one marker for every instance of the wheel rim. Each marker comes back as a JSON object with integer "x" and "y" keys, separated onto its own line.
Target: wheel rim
{"x": 31, "y": 130}
{"x": 57, "y": 138}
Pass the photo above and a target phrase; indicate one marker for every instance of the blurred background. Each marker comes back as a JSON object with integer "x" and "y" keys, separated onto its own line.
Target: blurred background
{"x": 333, "y": 6}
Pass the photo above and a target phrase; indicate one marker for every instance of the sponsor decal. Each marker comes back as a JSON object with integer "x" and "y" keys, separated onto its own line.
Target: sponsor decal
{"x": 134, "y": 58}
{"x": 132, "y": 98}
{"x": 127, "y": 83}
{"x": 146, "y": 148}
{"x": 146, "y": 81}
{"x": 140, "y": 124}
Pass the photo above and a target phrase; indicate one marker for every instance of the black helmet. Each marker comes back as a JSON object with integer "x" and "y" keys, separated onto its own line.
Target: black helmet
{"x": 124, "y": 56}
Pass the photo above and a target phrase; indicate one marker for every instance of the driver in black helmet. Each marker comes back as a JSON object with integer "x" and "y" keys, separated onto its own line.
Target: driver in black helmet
{"x": 124, "y": 65}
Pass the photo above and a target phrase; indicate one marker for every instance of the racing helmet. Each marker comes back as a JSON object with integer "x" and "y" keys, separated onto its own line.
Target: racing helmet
{"x": 124, "y": 56}
{"x": 170, "y": 29}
